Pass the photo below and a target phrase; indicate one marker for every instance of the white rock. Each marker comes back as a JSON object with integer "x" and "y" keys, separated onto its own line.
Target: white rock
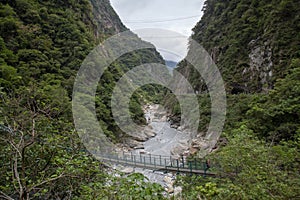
{"x": 168, "y": 180}
{"x": 127, "y": 170}
{"x": 177, "y": 190}
{"x": 170, "y": 188}
{"x": 180, "y": 128}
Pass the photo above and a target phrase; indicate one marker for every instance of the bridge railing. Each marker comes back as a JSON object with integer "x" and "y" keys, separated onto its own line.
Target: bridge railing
{"x": 182, "y": 163}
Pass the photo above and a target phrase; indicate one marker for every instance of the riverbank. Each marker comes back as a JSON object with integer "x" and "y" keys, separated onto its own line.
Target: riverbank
{"x": 166, "y": 141}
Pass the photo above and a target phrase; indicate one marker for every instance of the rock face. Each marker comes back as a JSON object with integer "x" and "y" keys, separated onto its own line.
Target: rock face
{"x": 252, "y": 43}
{"x": 105, "y": 16}
{"x": 261, "y": 64}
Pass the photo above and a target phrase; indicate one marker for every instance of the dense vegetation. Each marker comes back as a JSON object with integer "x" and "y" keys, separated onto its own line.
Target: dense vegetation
{"x": 259, "y": 157}
{"x": 252, "y": 42}
{"x": 42, "y": 45}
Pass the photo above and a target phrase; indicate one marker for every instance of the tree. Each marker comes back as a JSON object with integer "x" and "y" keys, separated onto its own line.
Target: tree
{"x": 276, "y": 115}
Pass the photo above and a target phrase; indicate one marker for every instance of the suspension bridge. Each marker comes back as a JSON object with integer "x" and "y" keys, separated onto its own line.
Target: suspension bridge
{"x": 181, "y": 164}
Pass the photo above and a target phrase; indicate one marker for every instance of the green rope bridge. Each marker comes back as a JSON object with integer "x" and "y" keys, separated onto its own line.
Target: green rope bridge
{"x": 160, "y": 163}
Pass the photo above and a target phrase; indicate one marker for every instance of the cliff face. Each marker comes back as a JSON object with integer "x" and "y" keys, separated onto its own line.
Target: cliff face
{"x": 252, "y": 42}
{"x": 105, "y": 18}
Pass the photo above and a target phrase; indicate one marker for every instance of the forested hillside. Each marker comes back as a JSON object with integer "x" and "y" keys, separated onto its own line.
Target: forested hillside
{"x": 42, "y": 45}
{"x": 255, "y": 44}
{"x": 252, "y": 42}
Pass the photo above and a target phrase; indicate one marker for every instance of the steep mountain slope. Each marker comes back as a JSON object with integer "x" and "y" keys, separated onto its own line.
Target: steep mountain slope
{"x": 42, "y": 45}
{"x": 256, "y": 45}
{"x": 252, "y": 42}
{"x": 105, "y": 18}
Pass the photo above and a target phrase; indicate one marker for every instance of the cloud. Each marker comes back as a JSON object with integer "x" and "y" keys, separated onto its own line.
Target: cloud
{"x": 172, "y": 45}
{"x": 134, "y": 12}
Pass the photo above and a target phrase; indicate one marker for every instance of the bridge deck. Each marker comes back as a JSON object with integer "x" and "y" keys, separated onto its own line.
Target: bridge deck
{"x": 160, "y": 163}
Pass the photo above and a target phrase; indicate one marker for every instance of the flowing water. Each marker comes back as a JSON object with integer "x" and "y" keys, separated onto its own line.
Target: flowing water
{"x": 165, "y": 140}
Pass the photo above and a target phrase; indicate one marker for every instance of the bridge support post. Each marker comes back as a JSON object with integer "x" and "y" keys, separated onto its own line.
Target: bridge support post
{"x": 191, "y": 168}
{"x": 134, "y": 160}
{"x": 144, "y": 162}
{"x": 177, "y": 163}
{"x": 160, "y": 160}
{"x": 205, "y": 168}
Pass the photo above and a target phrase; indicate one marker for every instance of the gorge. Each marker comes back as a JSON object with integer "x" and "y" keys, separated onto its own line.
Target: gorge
{"x": 43, "y": 44}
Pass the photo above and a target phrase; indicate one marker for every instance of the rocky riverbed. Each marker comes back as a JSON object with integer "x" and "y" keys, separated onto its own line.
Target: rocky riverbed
{"x": 162, "y": 136}
{"x": 159, "y": 137}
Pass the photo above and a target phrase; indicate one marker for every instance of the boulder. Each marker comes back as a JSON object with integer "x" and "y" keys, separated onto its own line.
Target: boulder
{"x": 127, "y": 170}
{"x": 177, "y": 190}
{"x": 132, "y": 143}
{"x": 139, "y": 146}
{"x": 175, "y": 126}
{"x": 199, "y": 144}
{"x": 169, "y": 188}
{"x": 180, "y": 128}
{"x": 163, "y": 118}
{"x": 193, "y": 151}
{"x": 179, "y": 149}
{"x": 149, "y": 133}
{"x": 139, "y": 136}
{"x": 168, "y": 180}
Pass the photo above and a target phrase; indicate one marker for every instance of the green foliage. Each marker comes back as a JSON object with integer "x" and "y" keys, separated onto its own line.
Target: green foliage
{"x": 40, "y": 153}
{"x": 132, "y": 187}
{"x": 42, "y": 45}
{"x": 140, "y": 97}
{"x": 260, "y": 158}
{"x": 176, "y": 109}
{"x": 197, "y": 187}
{"x": 231, "y": 30}
{"x": 248, "y": 169}
{"x": 276, "y": 115}
{"x": 257, "y": 170}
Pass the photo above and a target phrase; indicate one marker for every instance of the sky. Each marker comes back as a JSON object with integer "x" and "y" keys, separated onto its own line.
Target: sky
{"x": 177, "y": 16}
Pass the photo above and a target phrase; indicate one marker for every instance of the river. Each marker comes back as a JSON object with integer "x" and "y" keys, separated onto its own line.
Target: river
{"x": 163, "y": 143}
